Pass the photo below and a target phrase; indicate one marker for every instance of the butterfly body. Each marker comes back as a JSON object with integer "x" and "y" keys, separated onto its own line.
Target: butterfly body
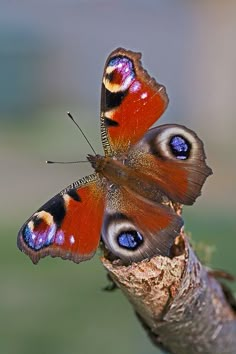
{"x": 128, "y": 197}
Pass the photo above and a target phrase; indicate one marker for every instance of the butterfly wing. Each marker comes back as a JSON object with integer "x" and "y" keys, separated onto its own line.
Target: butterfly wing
{"x": 135, "y": 229}
{"x": 131, "y": 101}
{"x": 68, "y": 225}
{"x": 171, "y": 157}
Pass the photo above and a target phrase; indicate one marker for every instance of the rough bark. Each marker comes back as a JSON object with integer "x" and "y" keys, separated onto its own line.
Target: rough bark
{"x": 179, "y": 302}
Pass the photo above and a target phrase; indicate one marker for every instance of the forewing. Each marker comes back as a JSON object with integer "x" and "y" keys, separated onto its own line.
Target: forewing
{"x": 68, "y": 225}
{"x": 131, "y": 101}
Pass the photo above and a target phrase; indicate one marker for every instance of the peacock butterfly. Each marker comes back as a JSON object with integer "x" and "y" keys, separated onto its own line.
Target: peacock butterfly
{"x": 127, "y": 199}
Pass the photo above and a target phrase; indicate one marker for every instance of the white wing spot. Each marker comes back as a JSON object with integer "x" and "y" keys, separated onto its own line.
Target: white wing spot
{"x": 144, "y": 95}
{"x": 72, "y": 239}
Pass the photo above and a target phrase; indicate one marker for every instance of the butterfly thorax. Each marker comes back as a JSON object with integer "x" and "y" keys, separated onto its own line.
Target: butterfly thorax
{"x": 120, "y": 173}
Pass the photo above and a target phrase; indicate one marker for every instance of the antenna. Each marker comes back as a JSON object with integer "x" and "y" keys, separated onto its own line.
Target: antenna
{"x": 64, "y": 162}
{"x": 71, "y": 117}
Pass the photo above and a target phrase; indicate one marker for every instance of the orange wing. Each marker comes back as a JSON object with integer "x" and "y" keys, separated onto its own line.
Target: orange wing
{"x": 171, "y": 160}
{"x": 135, "y": 229}
{"x": 131, "y": 101}
{"x": 68, "y": 225}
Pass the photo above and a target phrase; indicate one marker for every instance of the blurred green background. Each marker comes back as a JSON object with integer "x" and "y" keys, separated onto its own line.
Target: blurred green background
{"x": 51, "y": 60}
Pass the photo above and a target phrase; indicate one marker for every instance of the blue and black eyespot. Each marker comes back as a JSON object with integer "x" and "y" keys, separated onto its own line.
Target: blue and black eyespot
{"x": 180, "y": 147}
{"x": 124, "y": 65}
{"x": 121, "y": 59}
{"x": 122, "y": 237}
{"x": 130, "y": 239}
{"x": 36, "y": 237}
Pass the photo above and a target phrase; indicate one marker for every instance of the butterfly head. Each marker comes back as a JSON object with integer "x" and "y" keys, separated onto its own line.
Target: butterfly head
{"x": 97, "y": 162}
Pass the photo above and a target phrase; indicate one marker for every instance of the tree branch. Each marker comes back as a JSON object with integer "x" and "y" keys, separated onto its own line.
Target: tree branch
{"x": 180, "y": 304}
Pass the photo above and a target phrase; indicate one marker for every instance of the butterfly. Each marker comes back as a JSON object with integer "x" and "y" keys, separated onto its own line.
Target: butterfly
{"x": 126, "y": 202}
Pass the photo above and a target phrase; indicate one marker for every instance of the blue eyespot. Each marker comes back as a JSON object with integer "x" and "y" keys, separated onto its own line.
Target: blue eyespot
{"x": 180, "y": 147}
{"x": 123, "y": 65}
{"x": 120, "y": 60}
{"x": 37, "y": 240}
{"x": 130, "y": 240}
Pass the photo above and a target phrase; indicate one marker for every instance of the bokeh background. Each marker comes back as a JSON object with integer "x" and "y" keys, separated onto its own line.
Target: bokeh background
{"x": 51, "y": 60}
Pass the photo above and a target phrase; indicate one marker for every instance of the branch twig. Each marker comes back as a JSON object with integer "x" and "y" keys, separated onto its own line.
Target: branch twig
{"x": 181, "y": 306}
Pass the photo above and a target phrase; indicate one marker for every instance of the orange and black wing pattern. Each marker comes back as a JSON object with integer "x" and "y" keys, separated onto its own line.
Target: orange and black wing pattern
{"x": 68, "y": 225}
{"x": 171, "y": 158}
{"x": 131, "y": 101}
